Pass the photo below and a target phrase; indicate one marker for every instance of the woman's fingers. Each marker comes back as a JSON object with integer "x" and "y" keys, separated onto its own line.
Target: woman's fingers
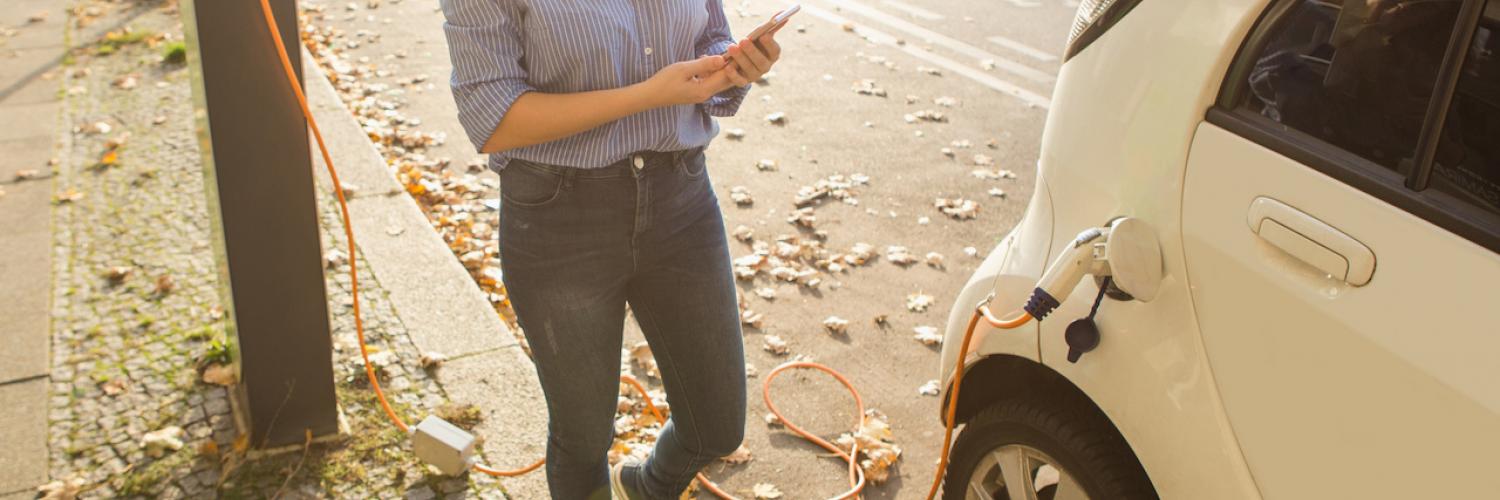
{"x": 736, "y": 75}
{"x": 772, "y": 49}
{"x": 749, "y": 53}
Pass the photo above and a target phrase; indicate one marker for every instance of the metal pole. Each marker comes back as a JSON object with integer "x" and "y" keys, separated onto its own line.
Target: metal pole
{"x": 260, "y": 184}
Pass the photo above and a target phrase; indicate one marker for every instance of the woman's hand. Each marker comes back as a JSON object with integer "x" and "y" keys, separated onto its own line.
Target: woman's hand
{"x": 687, "y": 82}
{"x": 751, "y": 59}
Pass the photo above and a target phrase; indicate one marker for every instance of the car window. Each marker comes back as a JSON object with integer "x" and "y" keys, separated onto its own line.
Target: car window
{"x": 1467, "y": 165}
{"x": 1355, "y": 74}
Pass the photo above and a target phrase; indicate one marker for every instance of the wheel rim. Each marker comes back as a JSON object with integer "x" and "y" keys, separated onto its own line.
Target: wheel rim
{"x": 1020, "y": 472}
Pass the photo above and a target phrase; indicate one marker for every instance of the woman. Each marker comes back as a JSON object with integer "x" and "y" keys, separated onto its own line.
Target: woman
{"x": 596, "y": 114}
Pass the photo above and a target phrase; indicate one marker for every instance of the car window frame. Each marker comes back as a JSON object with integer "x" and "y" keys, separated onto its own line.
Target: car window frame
{"x": 1406, "y": 189}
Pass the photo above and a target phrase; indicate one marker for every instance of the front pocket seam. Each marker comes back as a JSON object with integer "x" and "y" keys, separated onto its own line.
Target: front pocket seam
{"x": 557, "y": 190}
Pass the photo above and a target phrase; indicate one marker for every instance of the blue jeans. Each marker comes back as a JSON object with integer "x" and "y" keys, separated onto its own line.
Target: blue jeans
{"x": 576, "y": 246}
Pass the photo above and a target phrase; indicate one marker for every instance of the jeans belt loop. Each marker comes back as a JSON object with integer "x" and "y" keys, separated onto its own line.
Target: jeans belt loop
{"x": 568, "y": 174}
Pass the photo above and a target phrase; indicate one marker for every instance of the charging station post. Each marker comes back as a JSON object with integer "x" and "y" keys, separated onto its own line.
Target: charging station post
{"x": 263, "y": 211}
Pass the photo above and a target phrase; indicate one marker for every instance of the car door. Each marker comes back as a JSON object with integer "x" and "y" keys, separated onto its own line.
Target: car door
{"x": 1341, "y": 242}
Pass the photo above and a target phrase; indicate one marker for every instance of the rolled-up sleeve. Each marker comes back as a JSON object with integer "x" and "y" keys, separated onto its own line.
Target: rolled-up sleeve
{"x": 716, "y": 40}
{"x": 484, "y": 43}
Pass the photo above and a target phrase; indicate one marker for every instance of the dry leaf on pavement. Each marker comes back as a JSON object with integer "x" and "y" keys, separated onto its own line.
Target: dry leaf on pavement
{"x": 774, "y": 345}
{"x": 836, "y": 325}
{"x": 218, "y": 374}
{"x": 641, "y": 356}
{"x": 740, "y": 456}
{"x": 928, "y": 335}
{"x": 766, "y": 491}
{"x": 918, "y": 302}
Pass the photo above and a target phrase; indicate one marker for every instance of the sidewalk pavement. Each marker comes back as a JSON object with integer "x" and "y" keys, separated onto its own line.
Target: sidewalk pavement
{"x": 30, "y": 47}
{"x": 123, "y": 345}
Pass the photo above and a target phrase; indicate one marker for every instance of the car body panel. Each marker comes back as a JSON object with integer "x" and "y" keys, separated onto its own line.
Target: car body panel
{"x": 1329, "y": 385}
{"x": 1164, "y": 62}
{"x": 1010, "y": 272}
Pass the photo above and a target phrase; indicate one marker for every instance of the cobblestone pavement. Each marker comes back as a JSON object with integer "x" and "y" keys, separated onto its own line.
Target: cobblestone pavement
{"x": 136, "y": 308}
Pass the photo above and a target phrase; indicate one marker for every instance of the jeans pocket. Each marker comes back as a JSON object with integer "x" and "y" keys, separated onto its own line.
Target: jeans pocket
{"x": 529, "y": 185}
{"x": 693, "y": 164}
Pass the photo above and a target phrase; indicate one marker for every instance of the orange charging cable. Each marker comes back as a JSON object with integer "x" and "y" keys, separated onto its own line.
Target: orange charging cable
{"x": 856, "y": 474}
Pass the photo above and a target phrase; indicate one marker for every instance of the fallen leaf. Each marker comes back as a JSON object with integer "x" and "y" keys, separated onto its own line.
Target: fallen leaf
{"x": 935, "y": 259}
{"x": 774, "y": 345}
{"x": 117, "y": 274}
{"x": 929, "y": 389}
{"x": 740, "y": 456}
{"x": 899, "y": 255}
{"x": 876, "y": 445}
{"x": 743, "y": 233}
{"x": 641, "y": 356}
{"x": 918, "y": 302}
{"x": 158, "y": 442}
{"x": 776, "y": 118}
{"x": 925, "y": 115}
{"x": 431, "y": 360}
{"x": 741, "y": 196}
{"x": 836, "y": 325}
{"x": 928, "y": 335}
{"x": 867, "y": 86}
{"x": 114, "y": 386}
{"x": 125, "y": 82}
{"x": 61, "y": 490}
{"x": 68, "y": 195}
{"x": 766, "y": 491}
{"x": 217, "y": 374}
{"x": 164, "y": 285}
{"x": 957, "y": 208}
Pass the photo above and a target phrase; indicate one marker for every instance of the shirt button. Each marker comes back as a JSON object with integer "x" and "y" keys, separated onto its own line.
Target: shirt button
{"x": 639, "y": 163}
{"x": 648, "y": 51}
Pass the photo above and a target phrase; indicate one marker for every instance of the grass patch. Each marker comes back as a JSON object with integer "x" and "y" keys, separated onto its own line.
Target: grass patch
{"x": 466, "y": 416}
{"x": 174, "y": 53}
{"x": 371, "y": 445}
{"x": 203, "y": 334}
{"x": 218, "y": 352}
{"x": 145, "y": 481}
{"x": 116, "y": 40}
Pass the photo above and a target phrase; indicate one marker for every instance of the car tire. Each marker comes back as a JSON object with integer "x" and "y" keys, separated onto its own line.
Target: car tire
{"x": 1076, "y": 440}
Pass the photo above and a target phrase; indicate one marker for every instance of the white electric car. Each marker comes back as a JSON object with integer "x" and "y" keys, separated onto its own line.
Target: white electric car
{"x": 1323, "y": 179}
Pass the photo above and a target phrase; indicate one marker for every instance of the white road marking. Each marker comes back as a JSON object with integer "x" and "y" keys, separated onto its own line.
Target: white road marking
{"x": 1033, "y": 52}
{"x": 927, "y": 35}
{"x": 915, "y": 10}
{"x": 1025, "y": 3}
{"x": 882, "y": 38}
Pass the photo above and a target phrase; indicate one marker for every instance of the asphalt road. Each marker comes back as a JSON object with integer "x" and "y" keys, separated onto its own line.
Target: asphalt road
{"x": 997, "y": 58}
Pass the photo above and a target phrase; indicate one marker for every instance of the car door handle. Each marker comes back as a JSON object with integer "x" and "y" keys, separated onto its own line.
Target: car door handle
{"x": 1311, "y": 240}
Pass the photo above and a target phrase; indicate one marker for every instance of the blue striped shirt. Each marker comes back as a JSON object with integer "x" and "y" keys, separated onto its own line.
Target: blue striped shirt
{"x": 502, "y": 49}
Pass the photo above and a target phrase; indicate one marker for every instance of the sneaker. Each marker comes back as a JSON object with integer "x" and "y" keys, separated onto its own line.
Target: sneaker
{"x": 616, "y": 485}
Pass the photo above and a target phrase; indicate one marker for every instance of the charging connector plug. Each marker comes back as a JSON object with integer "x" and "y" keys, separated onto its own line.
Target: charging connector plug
{"x": 443, "y": 445}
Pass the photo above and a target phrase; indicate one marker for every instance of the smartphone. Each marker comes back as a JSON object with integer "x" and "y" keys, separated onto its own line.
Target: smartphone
{"x": 776, "y": 21}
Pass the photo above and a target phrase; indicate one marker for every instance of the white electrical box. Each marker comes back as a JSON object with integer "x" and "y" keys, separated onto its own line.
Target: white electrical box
{"x": 443, "y": 445}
